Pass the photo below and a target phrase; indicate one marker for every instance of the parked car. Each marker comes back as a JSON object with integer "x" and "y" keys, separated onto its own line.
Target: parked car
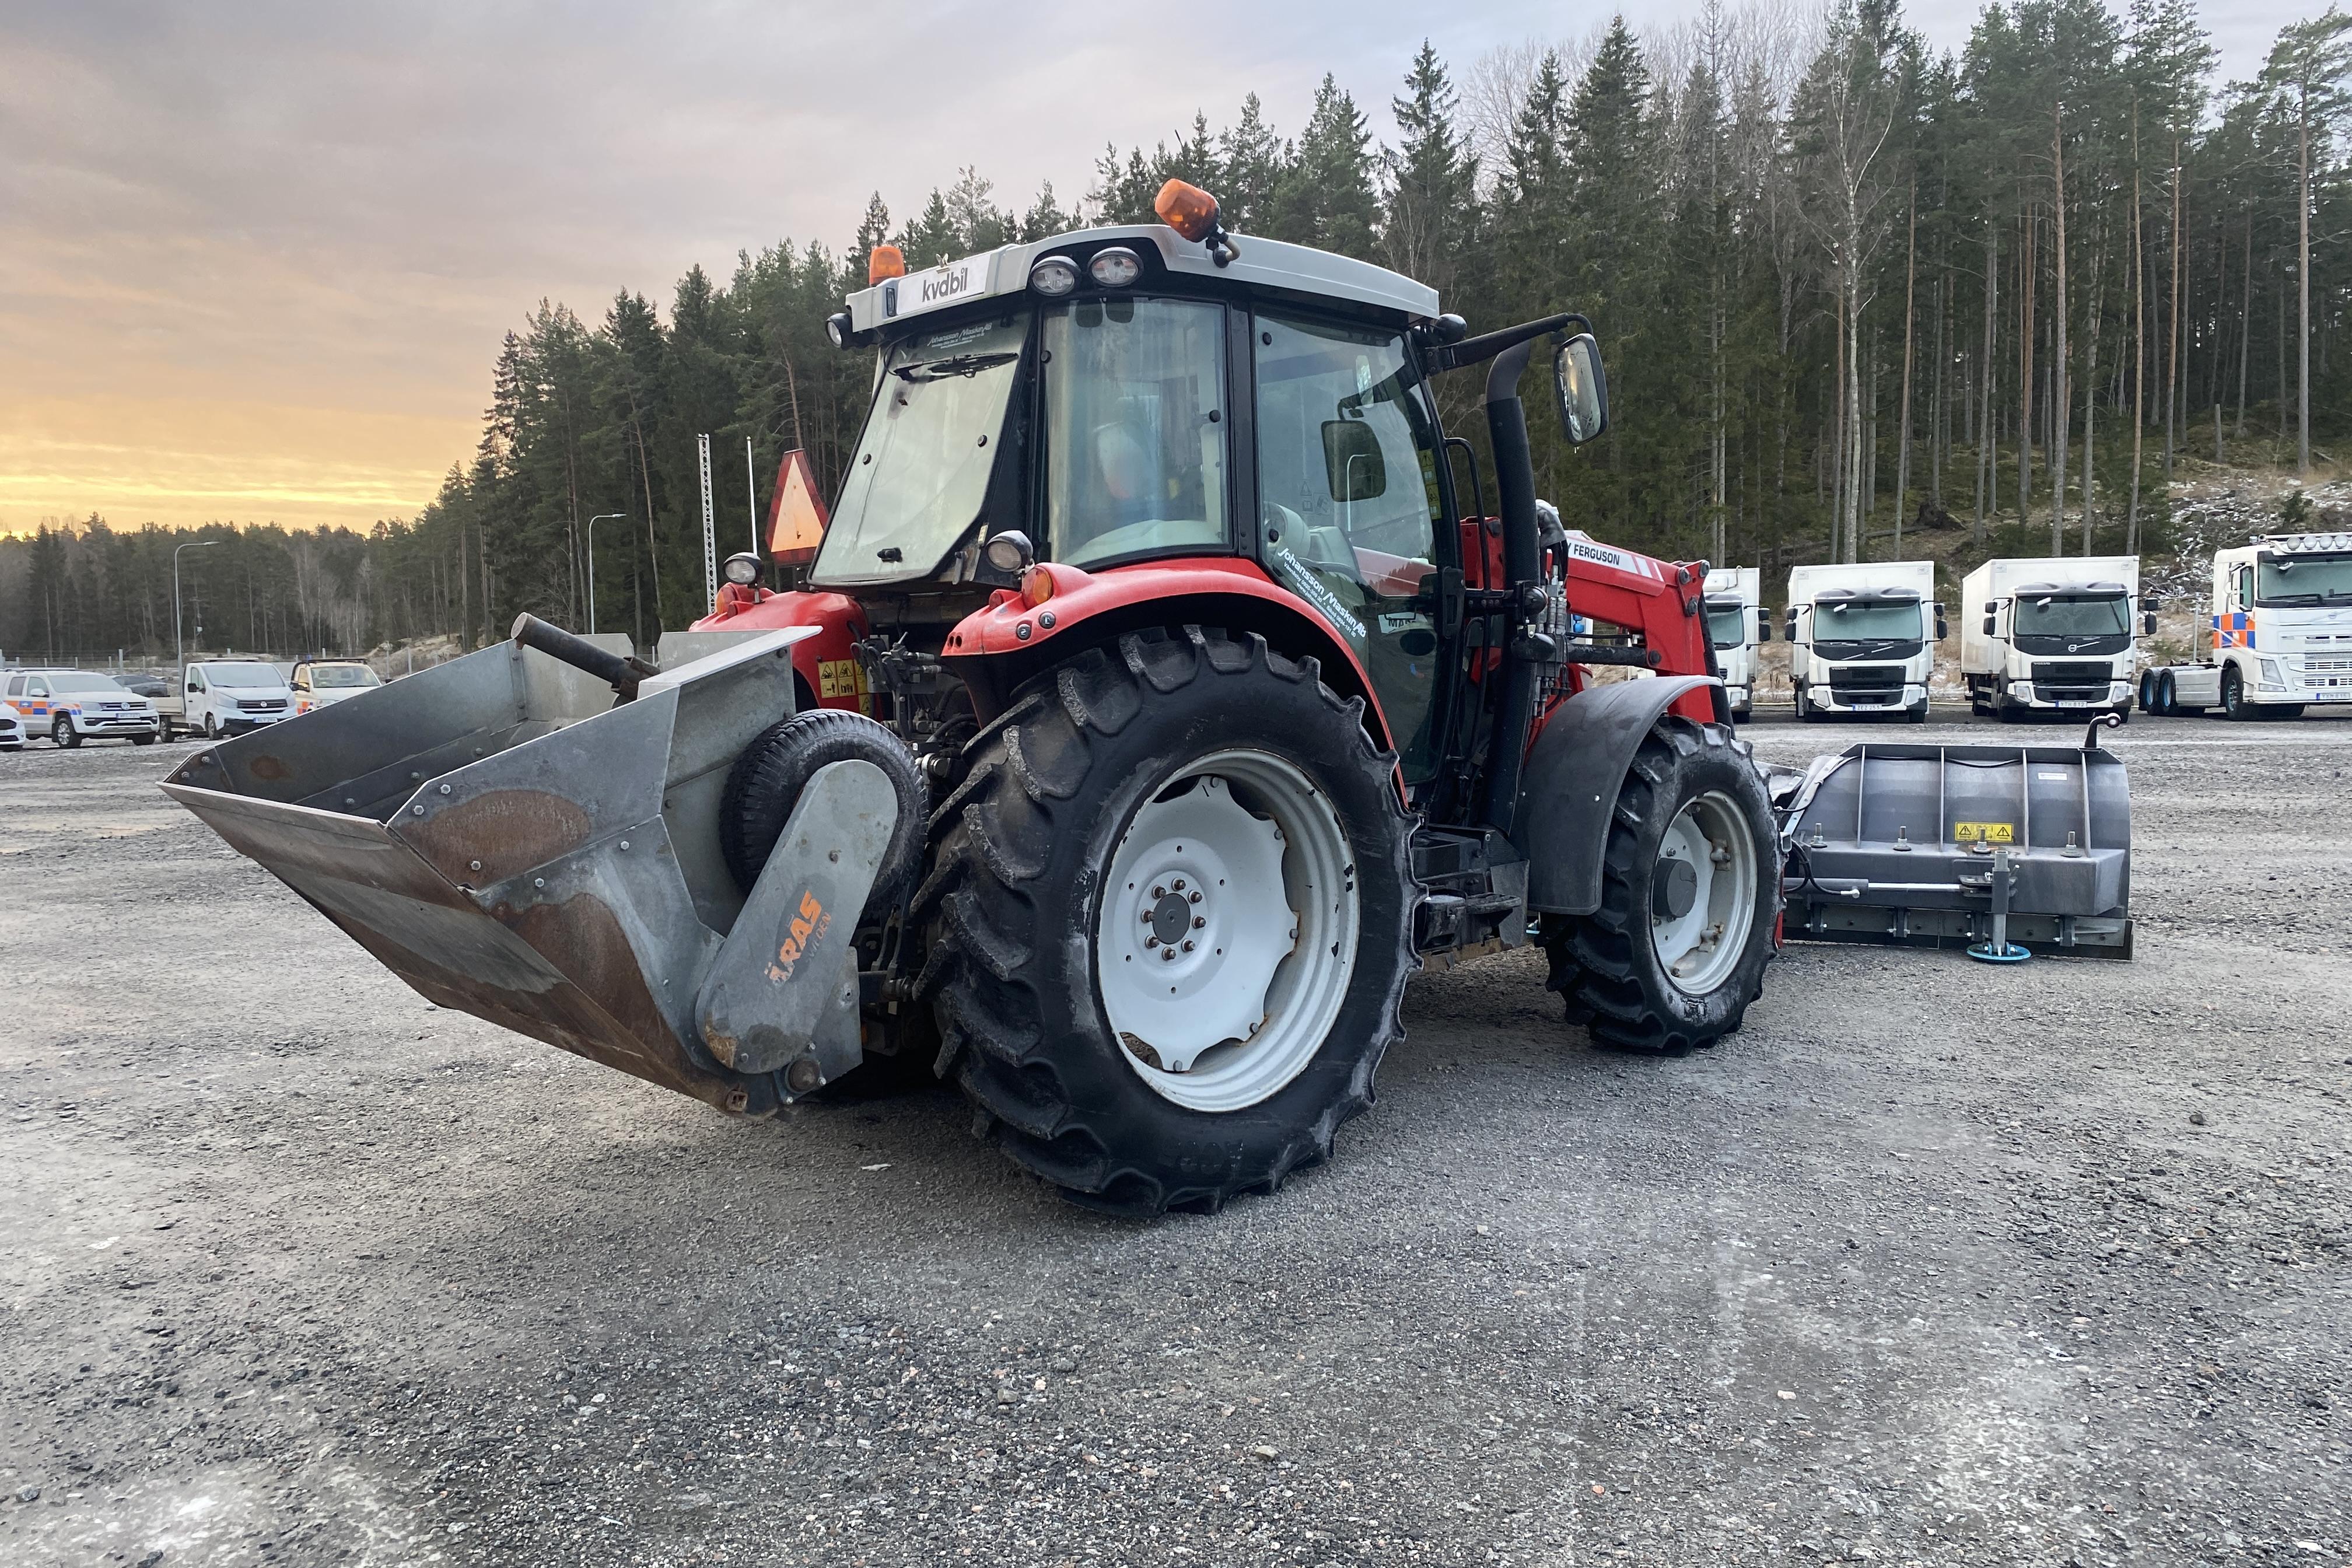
{"x": 226, "y": 696}
{"x": 143, "y": 683}
{"x": 71, "y": 706}
{"x": 318, "y": 683}
{"x": 12, "y": 730}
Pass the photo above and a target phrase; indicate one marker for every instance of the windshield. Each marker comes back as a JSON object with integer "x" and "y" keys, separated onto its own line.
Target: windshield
{"x": 923, "y": 462}
{"x": 2303, "y": 580}
{"x": 1727, "y": 625}
{"x": 340, "y": 675}
{"x": 82, "y": 683}
{"x": 2049, "y": 616}
{"x": 1873, "y": 622}
{"x": 1135, "y": 434}
{"x": 243, "y": 675}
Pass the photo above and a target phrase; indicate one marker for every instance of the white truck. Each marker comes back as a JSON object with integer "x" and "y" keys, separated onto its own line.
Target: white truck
{"x": 2044, "y": 635}
{"x": 320, "y": 682}
{"x": 1735, "y": 625}
{"x": 1863, "y": 638}
{"x": 2280, "y": 635}
{"x": 225, "y": 696}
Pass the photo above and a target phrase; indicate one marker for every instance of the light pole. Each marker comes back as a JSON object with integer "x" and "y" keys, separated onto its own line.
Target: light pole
{"x": 600, "y": 517}
{"x": 179, "y": 650}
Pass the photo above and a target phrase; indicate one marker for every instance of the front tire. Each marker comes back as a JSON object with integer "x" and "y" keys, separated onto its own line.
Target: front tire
{"x": 63, "y": 735}
{"x": 1185, "y": 758}
{"x": 1690, "y": 896}
{"x": 2233, "y": 696}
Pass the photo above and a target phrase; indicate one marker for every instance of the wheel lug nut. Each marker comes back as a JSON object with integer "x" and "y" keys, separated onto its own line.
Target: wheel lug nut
{"x": 1149, "y": 942}
{"x": 1147, "y": 917}
{"x": 1178, "y": 884}
{"x": 1198, "y": 922}
{"x": 1159, "y": 892}
{"x": 1168, "y": 954}
{"x": 1188, "y": 944}
{"x": 1195, "y": 896}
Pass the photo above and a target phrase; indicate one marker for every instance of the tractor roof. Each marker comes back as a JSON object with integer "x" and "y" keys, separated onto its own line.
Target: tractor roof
{"x": 1259, "y": 263}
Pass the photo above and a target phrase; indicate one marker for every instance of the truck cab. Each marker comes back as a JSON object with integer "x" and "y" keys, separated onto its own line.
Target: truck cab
{"x": 1735, "y": 625}
{"x": 321, "y": 682}
{"x": 2042, "y": 635}
{"x": 1863, "y": 638}
{"x": 2280, "y": 633}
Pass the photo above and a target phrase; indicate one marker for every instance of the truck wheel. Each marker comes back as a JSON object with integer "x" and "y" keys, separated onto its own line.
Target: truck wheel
{"x": 1170, "y": 920}
{"x": 1690, "y": 892}
{"x": 1806, "y": 712}
{"x": 2168, "y": 696}
{"x": 63, "y": 735}
{"x": 769, "y": 776}
{"x": 2233, "y": 696}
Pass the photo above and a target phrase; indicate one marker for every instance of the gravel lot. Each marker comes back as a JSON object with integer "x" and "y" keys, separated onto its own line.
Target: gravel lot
{"x": 1932, "y": 1264}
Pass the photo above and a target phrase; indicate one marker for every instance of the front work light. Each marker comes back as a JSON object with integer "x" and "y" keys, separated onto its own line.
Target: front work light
{"x": 837, "y": 329}
{"x": 1116, "y": 266}
{"x": 1009, "y": 552}
{"x": 743, "y": 568}
{"x": 1054, "y": 275}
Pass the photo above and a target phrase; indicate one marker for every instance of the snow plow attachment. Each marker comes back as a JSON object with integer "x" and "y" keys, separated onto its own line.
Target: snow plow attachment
{"x": 2004, "y": 850}
{"x": 530, "y": 834}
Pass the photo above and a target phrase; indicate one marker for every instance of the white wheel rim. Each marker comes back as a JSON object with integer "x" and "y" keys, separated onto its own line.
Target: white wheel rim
{"x": 1237, "y": 867}
{"x": 1699, "y": 948}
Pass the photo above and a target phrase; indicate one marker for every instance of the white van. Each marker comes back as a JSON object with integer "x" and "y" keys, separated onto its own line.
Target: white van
{"x": 226, "y": 696}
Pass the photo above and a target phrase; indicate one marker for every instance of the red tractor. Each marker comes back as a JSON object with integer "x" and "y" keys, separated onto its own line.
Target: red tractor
{"x": 1165, "y": 689}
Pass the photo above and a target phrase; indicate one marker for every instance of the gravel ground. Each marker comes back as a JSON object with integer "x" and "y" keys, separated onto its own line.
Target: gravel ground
{"x": 1932, "y": 1264}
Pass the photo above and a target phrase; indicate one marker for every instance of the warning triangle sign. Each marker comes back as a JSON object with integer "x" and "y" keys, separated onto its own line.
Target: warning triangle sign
{"x": 796, "y": 522}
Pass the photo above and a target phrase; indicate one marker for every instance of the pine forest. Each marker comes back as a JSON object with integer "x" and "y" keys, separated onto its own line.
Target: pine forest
{"x": 1848, "y": 288}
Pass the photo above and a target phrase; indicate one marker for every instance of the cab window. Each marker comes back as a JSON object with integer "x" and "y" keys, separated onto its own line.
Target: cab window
{"x": 16, "y": 686}
{"x": 1134, "y": 394}
{"x": 1350, "y": 502}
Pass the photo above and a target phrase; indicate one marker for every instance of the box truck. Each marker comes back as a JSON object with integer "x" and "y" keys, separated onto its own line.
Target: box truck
{"x": 1735, "y": 624}
{"x": 2044, "y": 635}
{"x": 1863, "y": 638}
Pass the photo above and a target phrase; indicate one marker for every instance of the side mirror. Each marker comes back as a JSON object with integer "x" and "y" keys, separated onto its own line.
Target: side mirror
{"x": 1583, "y": 390}
{"x": 1352, "y": 460}
{"x": 1987, "y": 626}
{"x": 1789, "y": 634}
{"x": 2147, "y": 624}
{"x": 1992, "y": 606}
{"x": 1763, "y": 628}
{"x": 1942, "y": 631}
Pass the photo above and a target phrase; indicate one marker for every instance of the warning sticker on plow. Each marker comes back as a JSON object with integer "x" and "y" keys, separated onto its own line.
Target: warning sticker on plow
{"x": 1984, "y": 833}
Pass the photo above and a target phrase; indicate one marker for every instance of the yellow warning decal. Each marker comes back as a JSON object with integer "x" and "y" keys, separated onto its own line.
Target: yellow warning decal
{"x": 1984, "y": 833}
{"x": 839, "y": 678}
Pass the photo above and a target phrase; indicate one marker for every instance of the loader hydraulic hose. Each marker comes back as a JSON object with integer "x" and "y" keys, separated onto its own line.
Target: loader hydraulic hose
{"x": 622, "y": 674}
{"x": 1515, "y": 492}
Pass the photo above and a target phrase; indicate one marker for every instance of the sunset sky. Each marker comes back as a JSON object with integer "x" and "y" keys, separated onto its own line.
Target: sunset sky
{"x": 256, "y": 259}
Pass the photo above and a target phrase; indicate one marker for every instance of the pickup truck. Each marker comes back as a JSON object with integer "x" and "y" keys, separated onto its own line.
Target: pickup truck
{"x": 318, "y": 683}
{"x": 226, "y": 696}
{"x": 71, "y": 706}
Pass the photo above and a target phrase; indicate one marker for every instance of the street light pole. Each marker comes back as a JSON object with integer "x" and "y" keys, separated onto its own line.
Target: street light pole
{"x": 600, "y": 517}
{"x": 179, "y": 649}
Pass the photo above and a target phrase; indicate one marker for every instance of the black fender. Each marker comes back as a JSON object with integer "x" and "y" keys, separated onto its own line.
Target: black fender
{"x": 1572, "y": 776}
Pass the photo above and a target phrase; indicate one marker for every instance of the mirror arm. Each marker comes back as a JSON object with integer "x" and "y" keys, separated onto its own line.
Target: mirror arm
{"x": 1476, "y": 351}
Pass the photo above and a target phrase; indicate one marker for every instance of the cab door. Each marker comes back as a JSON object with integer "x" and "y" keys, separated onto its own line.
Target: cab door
{"x": 1350, "y": 502}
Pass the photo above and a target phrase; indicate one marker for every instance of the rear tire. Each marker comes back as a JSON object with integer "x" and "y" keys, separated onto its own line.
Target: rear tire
{"x": 1608, "y": 964}
{"x": 1028, "y": 901}
{"x": 2168, "y": 696}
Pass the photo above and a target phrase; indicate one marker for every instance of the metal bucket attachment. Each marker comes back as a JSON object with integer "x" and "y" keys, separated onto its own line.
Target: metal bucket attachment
{"x": 514, "y": 844}
{"x": 1922, "y": 845}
